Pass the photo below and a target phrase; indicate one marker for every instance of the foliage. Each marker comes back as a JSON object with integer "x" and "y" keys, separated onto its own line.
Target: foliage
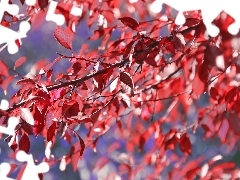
{"x": 153, "y": 101}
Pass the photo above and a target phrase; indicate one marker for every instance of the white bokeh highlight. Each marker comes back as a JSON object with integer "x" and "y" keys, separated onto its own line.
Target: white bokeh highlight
{"x": 10, "y": 129}
{"x": 4, "y": 170}
{"x": 7, "y": 35}
{"x": 30, "y": 2}
{"x": 31, "y": 171}
{"x": 210, "y": 10}
{"x": 51, "y": 16}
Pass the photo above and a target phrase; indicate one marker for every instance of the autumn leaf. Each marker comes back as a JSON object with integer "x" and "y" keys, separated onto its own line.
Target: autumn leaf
{"x": 51, "y": 131}
{"x": 24, "y": 143}
{"x": 214, "y": 93}
{"x": 19, "y": 62}
{"x": 185, "y": 144}
{"x": 43, "y": 3}
{"x": 126, "y": 79}
{"x": 3, "y": 69}
{"x": 63, "y": 38}
{"x": 130, "y": 22}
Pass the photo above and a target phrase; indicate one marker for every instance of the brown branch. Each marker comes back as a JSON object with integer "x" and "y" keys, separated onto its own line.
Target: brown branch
{"x": 159, "y": 82}
{"x": 161, "y": 99}
{"x": 85, "y": 78}
{"x": 80, "y": 81}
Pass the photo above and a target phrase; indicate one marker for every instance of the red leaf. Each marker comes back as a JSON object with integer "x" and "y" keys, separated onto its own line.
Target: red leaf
{"x": 171, "y": 143}
{"x": 24, "y": 143}
{"x": 210, "y": 55}
{"x": 223, "y": 166}
{"x": 63, "y": 38}
{"x": 50, "y": 65}
{"x": 74, "y": 156}
{"x": 97, "y": 34}
{"x": 51, "y": 131}
{"x": 19, "y": 62}
{"x": 231, "y": 95}
{"x": 198, "y": 86}
{"x": 178, "y": 42}
{"x": 126, "y": 79}
{"x": 22, "y": 1}
{"x": 151, "y": 61}
{"x": 190, "y": 22}
{"x": 142, "y": 142}
{"x": 100, "y": 32}
{"x": 3, "y": 69}
{"x": 130, "y": 22}
{"x": 119, "y": 124}
{"x": 82, "y": 144}
{"x": 214, "y": 93}
{"x": 145, "y": 114}
{"x": 185, "y": 144}
{"x": 6, "y": 82}
{"x": 38, "y": 121}
{"x": 43, "y": 3}
{"x": 206, "y": 128}
{"x": 203, "y": 72}
{"x": 70, "y": 108}
{"x": 115, "y": 44}
{"x": 25, "y": 81}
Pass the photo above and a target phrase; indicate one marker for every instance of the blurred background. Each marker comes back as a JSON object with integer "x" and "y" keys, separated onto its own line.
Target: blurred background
{"x": 40, "y": 46}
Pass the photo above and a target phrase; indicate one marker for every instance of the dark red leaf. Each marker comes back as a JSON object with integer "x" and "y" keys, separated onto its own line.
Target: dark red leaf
{"x": 142, "y": 143}
{"x": 63, "y": 38}
{"x": 70, "y": 108}
{"x": 51, "y": 131}
{"x": 210, "y": 55}
{"x": 43, "y": 3}
{"x": 190, "y": 22}
{"x": 231, "y": 95}
{"x": 214, "y": 93}
{"x": 24, "y": 143}
{"x": 82, "y": 144}
{"x": 38, "y": 121}
{"x": 14, "y": 146}
{"x": 126, "y": 79}
{"x": 206, "y": 128}
{"x": 119, "y": 124}
{"x": 185, "y": 144}
{"x": 84, "y": 86}
{"x": 151, "y": 61}
{"x": 20, "y": 61}
{"x": 130, "y": 22}
{"x": 22, "y": 1}
{"x": 203, "y": 72}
